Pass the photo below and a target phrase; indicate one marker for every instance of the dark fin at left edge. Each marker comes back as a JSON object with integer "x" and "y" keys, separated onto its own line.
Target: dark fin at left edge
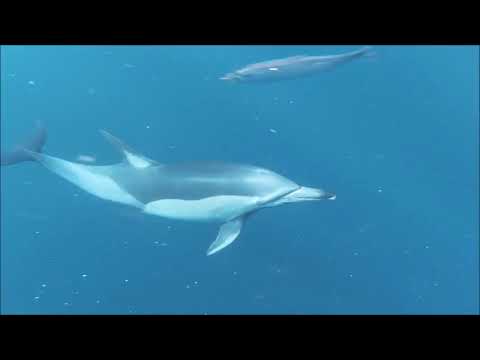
{"x": 34, "y": 143}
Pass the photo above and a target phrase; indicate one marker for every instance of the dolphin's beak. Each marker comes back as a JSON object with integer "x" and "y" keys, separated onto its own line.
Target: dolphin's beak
{"x": 330, "y": 196}
{"x": 306, "y": 194}
{"x": 230, "y": 77}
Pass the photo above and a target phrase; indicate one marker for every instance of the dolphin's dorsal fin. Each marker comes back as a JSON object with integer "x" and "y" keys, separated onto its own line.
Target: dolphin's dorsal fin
{"x": 130, "y": 156}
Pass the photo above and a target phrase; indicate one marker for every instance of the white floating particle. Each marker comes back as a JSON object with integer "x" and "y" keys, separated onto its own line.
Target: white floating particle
{"x": 195, "y": 282}
{"x": 379, "y": 190}
{"x": 350, "y": 275}
{"x": 44, "y": 285}
{"x": 156, "y": 242}
{"x": 273, "y": 131}
{"x": 37, "y": 232}
{"x": 148, "y": 126}
{"x": 427, "y": 247}
{"x": 234, "y": 273}
{"x": 66, "y": 303}
{"x": 84, "y": 275}
{"x": 291, "y": 102}
{"x": 188, "y": 286}
{"x": 86, "y": 158}
{"x": 37, "y": 297}
{"x": 97, "y": 302}
{"x": 31, "y": 82}
{"x": 126, "y": 280}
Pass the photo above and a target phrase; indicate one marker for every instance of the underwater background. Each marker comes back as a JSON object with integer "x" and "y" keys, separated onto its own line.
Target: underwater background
{"x": 395, "y": 137}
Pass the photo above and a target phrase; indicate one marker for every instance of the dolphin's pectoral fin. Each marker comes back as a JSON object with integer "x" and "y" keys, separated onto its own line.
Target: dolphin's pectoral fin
{"x": 130, "y": 156}
{"x": 226, "y": 235}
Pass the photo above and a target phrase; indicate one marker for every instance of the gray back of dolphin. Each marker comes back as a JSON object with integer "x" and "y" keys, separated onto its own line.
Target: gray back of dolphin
{"x": 194, "y": 181}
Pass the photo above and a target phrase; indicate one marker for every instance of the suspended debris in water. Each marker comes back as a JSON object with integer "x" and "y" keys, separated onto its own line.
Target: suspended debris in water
{"x": 86, "y": 158}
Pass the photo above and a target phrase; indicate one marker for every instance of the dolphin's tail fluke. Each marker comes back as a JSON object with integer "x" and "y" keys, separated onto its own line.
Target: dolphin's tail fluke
{"x": 20, "y": 153}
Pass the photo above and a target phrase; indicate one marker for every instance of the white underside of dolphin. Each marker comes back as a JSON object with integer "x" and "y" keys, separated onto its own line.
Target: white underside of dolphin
{"x": 219, "y": 192}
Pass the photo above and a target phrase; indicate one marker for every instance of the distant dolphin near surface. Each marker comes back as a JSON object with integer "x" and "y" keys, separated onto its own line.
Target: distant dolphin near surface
{"x": 292, "y": 67}
{"x": 219, "y": 192}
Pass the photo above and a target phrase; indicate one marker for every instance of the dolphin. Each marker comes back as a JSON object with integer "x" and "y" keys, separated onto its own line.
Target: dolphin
{"x": 210, "y": 191}
{"x": 292, "y": 67}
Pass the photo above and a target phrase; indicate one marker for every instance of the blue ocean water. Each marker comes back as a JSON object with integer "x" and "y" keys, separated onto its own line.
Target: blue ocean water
{"x": 395, "y": 137}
